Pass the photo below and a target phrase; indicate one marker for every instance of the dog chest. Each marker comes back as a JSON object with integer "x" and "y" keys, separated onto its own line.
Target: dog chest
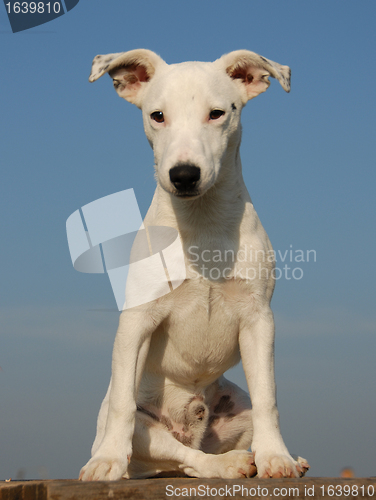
{"x": 200, "y": 335}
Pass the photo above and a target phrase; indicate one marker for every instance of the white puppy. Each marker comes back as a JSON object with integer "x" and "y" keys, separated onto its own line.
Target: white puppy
{"x": 168, "y": 407}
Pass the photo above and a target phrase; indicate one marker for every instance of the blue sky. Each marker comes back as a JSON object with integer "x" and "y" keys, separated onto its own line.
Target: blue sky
{"x": 309, "y": 164}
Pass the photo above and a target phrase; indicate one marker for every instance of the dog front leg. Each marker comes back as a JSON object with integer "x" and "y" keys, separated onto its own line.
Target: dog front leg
{"x": 256, "y": 342}
{"x": 110, "y": 460}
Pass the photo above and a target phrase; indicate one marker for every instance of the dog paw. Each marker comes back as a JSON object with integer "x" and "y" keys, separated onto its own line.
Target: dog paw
{"x": 302, "y": 466}
{"x": 234, "y": 464}
{"x": 272, "y": 465}
{"x": 103, "y": 469}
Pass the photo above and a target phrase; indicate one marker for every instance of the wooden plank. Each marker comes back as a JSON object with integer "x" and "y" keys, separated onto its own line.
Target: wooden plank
{"x": 214, "y": 489}
{"x": 23, "y": 490}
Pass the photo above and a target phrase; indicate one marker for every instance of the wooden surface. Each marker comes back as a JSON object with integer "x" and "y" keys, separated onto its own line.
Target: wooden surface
{"x": 164, "y": 488}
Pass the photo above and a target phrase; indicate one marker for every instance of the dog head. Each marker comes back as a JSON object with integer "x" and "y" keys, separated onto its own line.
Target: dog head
{"x": 191, "y": 111}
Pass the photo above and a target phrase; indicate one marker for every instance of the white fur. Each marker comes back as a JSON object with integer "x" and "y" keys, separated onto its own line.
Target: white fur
{"x": 168, "y": 407}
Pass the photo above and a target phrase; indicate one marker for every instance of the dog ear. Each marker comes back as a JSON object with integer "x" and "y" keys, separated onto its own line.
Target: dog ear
{"x": 130, "y": 71}
{"x": 251, "y": 71}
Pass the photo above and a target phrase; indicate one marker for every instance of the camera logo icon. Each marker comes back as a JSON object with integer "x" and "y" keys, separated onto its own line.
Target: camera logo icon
{"x": 108, "y": 236}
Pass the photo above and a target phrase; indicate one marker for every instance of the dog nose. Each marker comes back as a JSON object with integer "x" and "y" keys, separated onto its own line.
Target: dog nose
{"x": 185, "y": 177}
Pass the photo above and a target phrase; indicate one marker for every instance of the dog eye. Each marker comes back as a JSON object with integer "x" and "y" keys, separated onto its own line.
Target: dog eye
{"x": 216, "y": 113}
{"x": 157, "y": 116}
